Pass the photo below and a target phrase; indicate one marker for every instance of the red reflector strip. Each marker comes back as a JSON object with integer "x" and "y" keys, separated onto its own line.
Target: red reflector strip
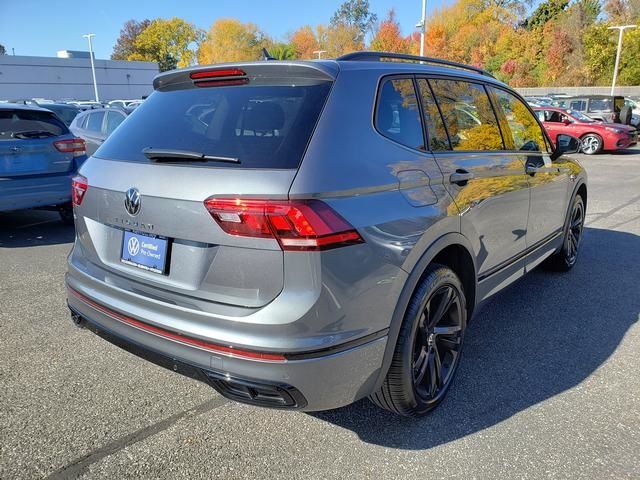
{"x": 194, "y": 342}
{"x": 226, "y": 72}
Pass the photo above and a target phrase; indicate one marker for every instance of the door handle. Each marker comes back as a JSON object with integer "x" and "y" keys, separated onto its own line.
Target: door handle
{"x": 461, "y": 177}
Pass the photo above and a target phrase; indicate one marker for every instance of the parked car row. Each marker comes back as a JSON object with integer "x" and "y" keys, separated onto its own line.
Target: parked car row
{"x": 602, "y": 122}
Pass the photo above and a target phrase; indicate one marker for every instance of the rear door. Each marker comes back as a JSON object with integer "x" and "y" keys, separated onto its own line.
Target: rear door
{"x": 254, "y": 132}
{"x": 27, "y": 143}
{"x": 487, "y": 182}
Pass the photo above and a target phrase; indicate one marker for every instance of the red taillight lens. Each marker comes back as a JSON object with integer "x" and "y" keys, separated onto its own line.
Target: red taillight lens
{"x": 79, "y": 186}
{"x": 72, "y": 145}
{"x": 220, "y": 77}
{"x": 302, "y": 225}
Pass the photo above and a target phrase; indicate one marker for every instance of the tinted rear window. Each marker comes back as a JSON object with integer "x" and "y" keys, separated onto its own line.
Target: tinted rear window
{"x": 23, "y": 124}
{"x": 264, "y": 126}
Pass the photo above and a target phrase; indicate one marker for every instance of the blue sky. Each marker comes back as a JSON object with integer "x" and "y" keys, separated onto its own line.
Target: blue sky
{"x": 43, "y": 27}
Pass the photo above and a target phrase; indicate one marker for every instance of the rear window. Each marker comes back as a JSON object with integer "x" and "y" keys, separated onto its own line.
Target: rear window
{"x": 24, "y": 124}
{"x": 263, "y": 126}
{"x": 66, "y": 114}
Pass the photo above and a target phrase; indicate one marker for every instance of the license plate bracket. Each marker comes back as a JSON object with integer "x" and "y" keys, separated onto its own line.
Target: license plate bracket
{"x": 145, "y": 251}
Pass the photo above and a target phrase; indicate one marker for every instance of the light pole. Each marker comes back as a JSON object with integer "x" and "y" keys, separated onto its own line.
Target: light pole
{"x": 89, "y": 36}
{"x": 422, "y": 26}
{"x": 620, "y": 29}
{"x": 319, "y": 52}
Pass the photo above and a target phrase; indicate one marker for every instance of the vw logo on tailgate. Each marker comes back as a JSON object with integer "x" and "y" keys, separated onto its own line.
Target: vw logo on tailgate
{"x": 132, "y": 201}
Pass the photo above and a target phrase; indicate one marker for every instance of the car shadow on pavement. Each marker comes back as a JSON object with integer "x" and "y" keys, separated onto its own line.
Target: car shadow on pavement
{"x": 28, "y": 228}
{"x": 540, "y": 337}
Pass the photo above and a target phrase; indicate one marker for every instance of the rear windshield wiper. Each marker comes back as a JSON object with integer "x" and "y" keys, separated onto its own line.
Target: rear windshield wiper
{"x": 169, "y": 155}
{"x": 32, "y": 134}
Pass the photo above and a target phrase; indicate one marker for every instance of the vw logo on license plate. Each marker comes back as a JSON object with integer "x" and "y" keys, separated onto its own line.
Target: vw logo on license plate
{"x": 132, "y": 201}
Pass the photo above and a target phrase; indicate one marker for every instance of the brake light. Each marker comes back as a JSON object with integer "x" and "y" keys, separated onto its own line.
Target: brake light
{"x": 79, "y": 186}
{"x": 297, "y": 225}
{"x": 219, "y": 77}
{"x": 76, "y": 146}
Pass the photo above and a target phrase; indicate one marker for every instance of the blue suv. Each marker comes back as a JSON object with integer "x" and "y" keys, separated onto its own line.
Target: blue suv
{"x": 38, "y": 158}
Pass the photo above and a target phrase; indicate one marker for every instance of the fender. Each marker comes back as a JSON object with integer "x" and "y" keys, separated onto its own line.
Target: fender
{"x": 416, "y": 274}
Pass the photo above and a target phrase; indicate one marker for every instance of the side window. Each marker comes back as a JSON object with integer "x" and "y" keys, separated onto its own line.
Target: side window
{"x": 397, "y": 115}
{"x": 113, "y": 120}
{"x": 541, "y": 115}
{"x": 94, "y": 123}
{"x": 82, "y": 123}
{"x": 436, "y": 130}
{"x": 579, "y": 105}
{"x": 522, "y": 131}
{"x": 468, "y": 115}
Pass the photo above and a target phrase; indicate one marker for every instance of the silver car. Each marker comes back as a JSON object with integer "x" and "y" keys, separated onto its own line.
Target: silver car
{"x": 305, "y": 234}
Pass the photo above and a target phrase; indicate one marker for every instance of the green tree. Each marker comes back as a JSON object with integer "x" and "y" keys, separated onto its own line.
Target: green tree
{"x": 126, "y": 42}
{"x": 282, "y": 51}
{"x": 169, "y": 42}
{"x": 544, "y": 12}
{"x": 356, "y": 14}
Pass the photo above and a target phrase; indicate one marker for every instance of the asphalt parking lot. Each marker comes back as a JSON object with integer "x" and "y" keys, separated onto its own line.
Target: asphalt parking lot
{"x": 549, "y": 386}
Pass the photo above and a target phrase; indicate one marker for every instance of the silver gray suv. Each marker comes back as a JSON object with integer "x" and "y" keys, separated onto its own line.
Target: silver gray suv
{"x": 305, "y": 234}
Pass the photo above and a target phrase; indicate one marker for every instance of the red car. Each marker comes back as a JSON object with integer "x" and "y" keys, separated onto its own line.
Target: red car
{"x": 595, "y": 136}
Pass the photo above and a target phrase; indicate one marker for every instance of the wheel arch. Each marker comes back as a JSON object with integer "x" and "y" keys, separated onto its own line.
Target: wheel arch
{"x": 452, "y": 250}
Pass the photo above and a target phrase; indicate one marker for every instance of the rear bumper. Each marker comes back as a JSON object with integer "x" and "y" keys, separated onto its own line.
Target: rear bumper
{"x": 37, "y": 191}
{"x": 318, "y": 381}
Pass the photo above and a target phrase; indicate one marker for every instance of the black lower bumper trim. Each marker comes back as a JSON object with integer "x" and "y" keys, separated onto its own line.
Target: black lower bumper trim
{"x": 253, "y": 392}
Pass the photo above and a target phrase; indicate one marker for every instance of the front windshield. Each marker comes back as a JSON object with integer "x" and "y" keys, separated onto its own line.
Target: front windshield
{"x": 581, "y": 117}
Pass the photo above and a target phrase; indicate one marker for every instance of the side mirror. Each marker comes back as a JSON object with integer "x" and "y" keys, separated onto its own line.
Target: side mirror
{"x": 566, "y": 121}
{"x": 565, "y": 144}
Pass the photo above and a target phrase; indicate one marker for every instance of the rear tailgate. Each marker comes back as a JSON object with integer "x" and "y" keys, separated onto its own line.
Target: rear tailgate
{"x": 27, "y": 143}
{"x": 264, "y": 122}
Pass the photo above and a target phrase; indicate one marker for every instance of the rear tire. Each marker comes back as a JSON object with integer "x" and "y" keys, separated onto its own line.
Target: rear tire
{"x": 429, "y": 346}
{"x": 66, "y": 214}
{"x": 565, "y": 259}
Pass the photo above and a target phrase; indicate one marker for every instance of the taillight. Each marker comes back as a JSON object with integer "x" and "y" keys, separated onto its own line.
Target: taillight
{"x": 79, "y": 186}
{"x": 72, "y": 145}
{"x": 219, "y": 77}
{"x": 300, "y": 225}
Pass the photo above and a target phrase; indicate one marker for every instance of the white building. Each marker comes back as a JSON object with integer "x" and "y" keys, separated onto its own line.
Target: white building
{"x": 70, "y": 78}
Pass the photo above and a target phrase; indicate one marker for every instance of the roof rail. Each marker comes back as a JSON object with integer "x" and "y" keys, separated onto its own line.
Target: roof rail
{"x": 367, "y": 55}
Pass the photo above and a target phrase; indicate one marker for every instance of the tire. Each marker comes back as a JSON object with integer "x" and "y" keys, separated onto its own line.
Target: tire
{"x": 66, "y": 214}
{"x": 565, "y": 259}
{"x": 591, "y": 144}
{"x": 428, "y": 342}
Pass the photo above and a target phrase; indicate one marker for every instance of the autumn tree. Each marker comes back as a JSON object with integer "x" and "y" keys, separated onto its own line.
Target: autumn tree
{"x": 342, "y": 39}
{"x": 126, "y": 42}
{"x": 304, "y": 42}
{"x": 168, "y": 42}
{"x": 388, "y": 37}
{"x": 230, "y": 40}
{"x": 357, "y": 17}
